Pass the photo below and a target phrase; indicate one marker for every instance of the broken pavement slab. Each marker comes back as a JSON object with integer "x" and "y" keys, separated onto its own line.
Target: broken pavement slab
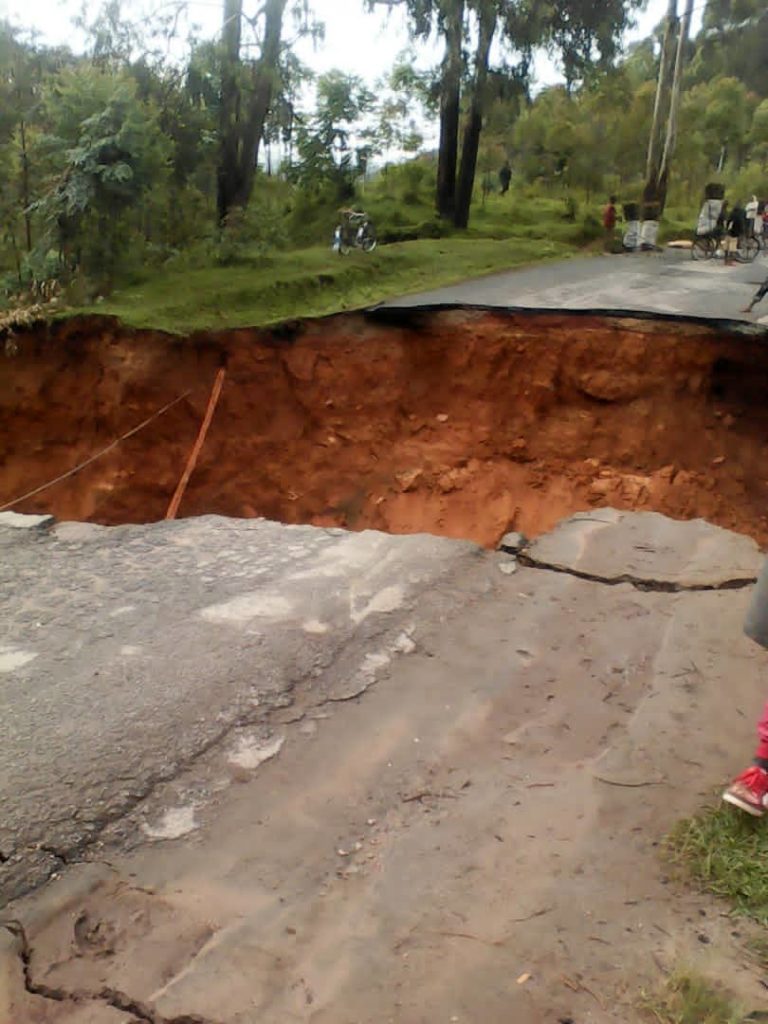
{"x": 492, "y": 802}
{"x": 511, "y": 543}
{"x": 648, "y": 548}
{"x": 19, "y": 521}
{"x": 128, "y": 651}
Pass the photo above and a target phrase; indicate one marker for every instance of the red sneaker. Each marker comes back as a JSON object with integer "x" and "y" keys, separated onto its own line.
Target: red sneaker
{"x": 749, "y": 792}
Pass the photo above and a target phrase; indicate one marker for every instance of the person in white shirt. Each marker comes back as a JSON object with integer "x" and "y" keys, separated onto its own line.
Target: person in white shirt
{"x": 751, "y": 212}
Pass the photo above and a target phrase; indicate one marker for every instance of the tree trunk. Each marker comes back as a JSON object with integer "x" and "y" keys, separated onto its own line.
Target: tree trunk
{"x": 474, "y": 126}
{"x": 674, "y": 105}
{"x": 450, "y": 101}
{"x": 663, "y": 91}
{"x": 16, "y": 257}
{"x": 241, "y": 124}
{"x": 265, "y": 78}
{"x": 229, "y": 109}
{"x": 25, "y": 185}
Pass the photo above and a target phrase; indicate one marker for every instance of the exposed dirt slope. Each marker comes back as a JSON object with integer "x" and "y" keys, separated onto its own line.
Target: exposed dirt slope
{"x": 460, "y": 423}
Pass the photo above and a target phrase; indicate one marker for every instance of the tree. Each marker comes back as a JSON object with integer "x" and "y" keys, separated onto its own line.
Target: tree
{"x": 448, "y": 18}
{"x": 23, "y": 69}
{"x": 733, "y": 42}
{"x": 758, "y": 133}
{"x": 247, "y": 89}
{"x": 487, "y": 18}
{"x": 325, "y": 141}
{"x": 670, "y": 141}
{"x": 451, "y": 20}
{"x": 581, "y": 31}
{"x": 727, "y": 117}
{"x": 402, "y": 93}
{"x": 105, "y": 151}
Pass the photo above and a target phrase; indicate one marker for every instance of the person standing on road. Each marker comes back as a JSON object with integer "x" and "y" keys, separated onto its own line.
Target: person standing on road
{"x": 751, "y": 212}
{"x": 736, "y": 230}
{"x": 749, "y": 792}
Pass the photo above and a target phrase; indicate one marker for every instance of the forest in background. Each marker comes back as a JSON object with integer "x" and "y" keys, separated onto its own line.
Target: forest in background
{"x": 122, "y": 161}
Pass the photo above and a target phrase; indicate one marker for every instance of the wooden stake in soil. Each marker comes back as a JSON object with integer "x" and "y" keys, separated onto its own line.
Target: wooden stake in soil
{"x": 194, "y": 455}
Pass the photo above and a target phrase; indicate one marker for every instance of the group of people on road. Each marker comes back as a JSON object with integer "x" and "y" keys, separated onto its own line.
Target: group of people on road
{"x": 737, "y": 222}
{"x": 732, "y": 224}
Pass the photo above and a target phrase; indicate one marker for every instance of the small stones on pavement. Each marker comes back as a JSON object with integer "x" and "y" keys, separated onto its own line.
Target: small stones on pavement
{"x": 512, "y": 542}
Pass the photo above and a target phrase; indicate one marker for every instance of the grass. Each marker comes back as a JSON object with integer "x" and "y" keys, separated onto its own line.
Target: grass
{"x": 726, "y": 852}
{"x": 312, "y": 282}
{"x": 688, "y": 998}
{"x": 757, "y": 946}
{"x": 195, "y": 293}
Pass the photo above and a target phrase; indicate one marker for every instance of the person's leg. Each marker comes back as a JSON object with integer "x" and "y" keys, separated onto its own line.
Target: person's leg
{"x": 749, "y": 791}
{"x": 759, "y": 295}
{"x": 761, "y": 756}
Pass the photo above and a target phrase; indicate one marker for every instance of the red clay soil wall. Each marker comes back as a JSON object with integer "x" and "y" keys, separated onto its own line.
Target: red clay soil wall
{"x": 467, "y": 425}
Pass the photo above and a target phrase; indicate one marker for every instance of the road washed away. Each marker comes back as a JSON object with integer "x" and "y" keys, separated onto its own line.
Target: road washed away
{"x": 286, "y": 773}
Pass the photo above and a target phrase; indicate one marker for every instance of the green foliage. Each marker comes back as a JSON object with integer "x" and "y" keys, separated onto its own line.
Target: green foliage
{"x": 252, "y": 233}
{"x": 734, "y": 42}
{"x": 106, "y": 153}
{"x": 325, "y": 142}
{"x": 109, "y": 164}
{"x": 310, "y": 282}
{"x": 758, "y": 134}
{"x": 725, "y": 852}
{"x": 688, "y": 998}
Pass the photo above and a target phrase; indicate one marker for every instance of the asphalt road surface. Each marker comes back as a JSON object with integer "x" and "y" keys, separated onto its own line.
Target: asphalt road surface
{"x": 668, "y": 282}
{"x": 473, "y": 838}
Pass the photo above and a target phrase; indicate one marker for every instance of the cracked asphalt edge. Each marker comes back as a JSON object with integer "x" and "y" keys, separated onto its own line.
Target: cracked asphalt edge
{"x": 16, "y": 945}
{"x": 75, "y": 855}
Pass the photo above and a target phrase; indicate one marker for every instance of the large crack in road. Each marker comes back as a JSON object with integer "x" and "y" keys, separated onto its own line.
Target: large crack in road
{"x": 139, "y": 1012}
{"x": 136, "y": 655}
{"x": 461, "y": 423}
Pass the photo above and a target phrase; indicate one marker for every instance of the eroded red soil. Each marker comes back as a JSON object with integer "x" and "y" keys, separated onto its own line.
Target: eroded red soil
{"x": 459, "y": 423}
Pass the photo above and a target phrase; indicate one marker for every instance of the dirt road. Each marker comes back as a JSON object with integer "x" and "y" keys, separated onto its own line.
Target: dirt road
{"x": 474, "y": 839}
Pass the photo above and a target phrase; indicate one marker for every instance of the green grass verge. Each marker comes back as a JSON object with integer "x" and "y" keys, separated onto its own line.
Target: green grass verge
{"x": 311, "y": 282}
{"x": 688, "y": 998}
{"x": 726, "y": 852}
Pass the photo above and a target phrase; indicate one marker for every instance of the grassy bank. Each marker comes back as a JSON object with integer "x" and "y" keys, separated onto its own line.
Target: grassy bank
{"x": 725, "y": 852}
{"x": 312, "y": 282}
{"x": 688, "y": 998}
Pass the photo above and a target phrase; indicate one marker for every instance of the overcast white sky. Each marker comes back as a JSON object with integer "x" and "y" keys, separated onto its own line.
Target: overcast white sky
{"x": 358, "y": 42}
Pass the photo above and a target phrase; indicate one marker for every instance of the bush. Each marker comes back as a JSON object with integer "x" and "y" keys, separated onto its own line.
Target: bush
{"x": 252, "y": 232}
{"x": 588, "y": 231}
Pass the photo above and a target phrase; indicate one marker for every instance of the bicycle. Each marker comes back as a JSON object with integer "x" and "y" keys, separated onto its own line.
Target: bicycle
{"x": 356, "y": 231}
{"x": 708, "y": 247}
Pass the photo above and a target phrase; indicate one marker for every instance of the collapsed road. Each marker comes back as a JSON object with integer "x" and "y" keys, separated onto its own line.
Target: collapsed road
{"x": 285, "y": 774}
{"x": 463, "y": 423}
{"x": 279, "y": 771}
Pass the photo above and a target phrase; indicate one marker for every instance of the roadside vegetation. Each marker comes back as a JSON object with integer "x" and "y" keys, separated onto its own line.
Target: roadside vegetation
{"x": 689, "y": 998}
{"x": 204, "y": 188}
{"x": 310, "y": 282}
{"x": 725, "y": 852}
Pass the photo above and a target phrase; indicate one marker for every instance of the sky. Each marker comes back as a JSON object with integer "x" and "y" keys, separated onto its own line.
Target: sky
{"x": 356, "y": 41}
